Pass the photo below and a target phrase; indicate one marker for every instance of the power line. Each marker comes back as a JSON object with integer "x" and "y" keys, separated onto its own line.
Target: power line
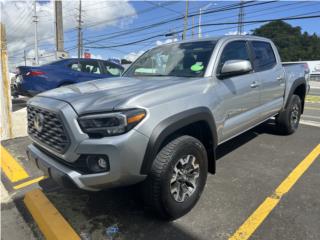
{"x": 212, "y": 24}
{"x": 250, "y": 13}
{"x": 224, "y": 8}
{"x": 138, "y": 29}
{"x": 226, "y": 28}
{"x": 164, "y": 7}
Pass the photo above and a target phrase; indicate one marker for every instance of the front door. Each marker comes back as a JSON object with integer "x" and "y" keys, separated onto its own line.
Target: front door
{"x": 240, "y": 95}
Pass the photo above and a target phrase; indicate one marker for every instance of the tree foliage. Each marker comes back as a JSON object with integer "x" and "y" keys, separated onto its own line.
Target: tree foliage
{"x": 291, "y": 43}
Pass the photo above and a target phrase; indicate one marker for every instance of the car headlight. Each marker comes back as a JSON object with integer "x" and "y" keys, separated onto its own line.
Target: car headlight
{"x": 111, "y": 124}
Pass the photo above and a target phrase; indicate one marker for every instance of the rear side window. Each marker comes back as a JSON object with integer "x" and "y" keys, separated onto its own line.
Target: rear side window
{"x": 86, "y": 66}
{"x": 264, "y": 57}
{"x": 112, "y": 69}
{"x": 236, "y": 50}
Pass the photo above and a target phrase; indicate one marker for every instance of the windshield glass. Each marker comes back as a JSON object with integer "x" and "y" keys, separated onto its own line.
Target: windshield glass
{"x": 180, "y": 59}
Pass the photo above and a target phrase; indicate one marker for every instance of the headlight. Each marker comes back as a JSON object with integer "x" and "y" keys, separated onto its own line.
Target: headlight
{"x": 110, "y": 124}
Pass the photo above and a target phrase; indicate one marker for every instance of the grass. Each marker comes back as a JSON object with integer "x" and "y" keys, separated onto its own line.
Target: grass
{"x": 313, "y": 98}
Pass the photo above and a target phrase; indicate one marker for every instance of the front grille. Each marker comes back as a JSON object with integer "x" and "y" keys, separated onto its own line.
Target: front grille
{"x": 51, "y": 132}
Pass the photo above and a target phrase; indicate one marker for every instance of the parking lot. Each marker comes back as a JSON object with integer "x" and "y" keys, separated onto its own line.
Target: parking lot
{"x": 115, "y": 114}
{"x": 249, "y": 170}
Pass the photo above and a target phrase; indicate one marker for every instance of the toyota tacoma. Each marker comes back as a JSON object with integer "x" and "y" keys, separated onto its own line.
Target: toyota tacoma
{"x": 160, "y": 123}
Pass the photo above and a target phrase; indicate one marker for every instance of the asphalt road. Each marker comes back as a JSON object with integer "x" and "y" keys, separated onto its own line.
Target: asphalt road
{"x": 249, "y": 169}
{"x": 315, "y": 91}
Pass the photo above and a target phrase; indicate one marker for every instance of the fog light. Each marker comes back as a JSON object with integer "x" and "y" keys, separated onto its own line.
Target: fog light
{"x": 102, "y": 163}
{"x": 98, "y": 163}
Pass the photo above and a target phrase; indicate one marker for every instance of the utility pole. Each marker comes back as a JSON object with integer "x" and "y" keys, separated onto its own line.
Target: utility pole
{"x": 199, "y": 19}
{"x": 5, "y": 93}
{"x": 58, "y": 25}
{"x": 35, "y": 20}
{"x": 184, "y": 36}
{"x": 199, "y": 24}
{"x": 192, "y": 32}
{"x": 240, "y": 18}
{"x": 81, "y": 45}
{"x": 24, "y": 57}
{"x": 79, "y": 31}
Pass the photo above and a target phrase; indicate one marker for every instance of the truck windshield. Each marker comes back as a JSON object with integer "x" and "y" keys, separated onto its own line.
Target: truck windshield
{"x": 179, "y": 59}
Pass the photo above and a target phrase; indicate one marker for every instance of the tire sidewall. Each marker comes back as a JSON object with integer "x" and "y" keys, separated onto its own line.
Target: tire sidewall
{"x": 294, "y": 100}
{"x": 177, "y": 209}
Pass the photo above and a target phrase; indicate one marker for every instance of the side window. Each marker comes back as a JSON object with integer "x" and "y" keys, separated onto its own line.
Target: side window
{"x": 86, "y": 66}
{"x": 112, "y": 69}
{"x": 90, "y": 67}
{"x": 264, "y": 57}
{"x": 236, "y": 50}
{"x": 75, "y": 66}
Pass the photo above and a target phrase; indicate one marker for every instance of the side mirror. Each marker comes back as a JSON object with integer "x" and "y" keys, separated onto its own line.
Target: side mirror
{"x": 235, "y": 67}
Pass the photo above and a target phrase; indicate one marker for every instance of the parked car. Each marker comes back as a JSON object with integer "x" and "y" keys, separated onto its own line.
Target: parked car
{"x": 161, "y": 122}
{"x": 30, "y": 81}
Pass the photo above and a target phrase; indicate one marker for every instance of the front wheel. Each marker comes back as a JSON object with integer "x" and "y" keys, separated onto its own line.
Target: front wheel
{"x": 288, "y": 120}
{"x": 177, "y": 178}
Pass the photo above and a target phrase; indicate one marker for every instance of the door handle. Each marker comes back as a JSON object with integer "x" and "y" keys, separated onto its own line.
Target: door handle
{"x": 254, "y": 84}
{"x": 279, "y": 78}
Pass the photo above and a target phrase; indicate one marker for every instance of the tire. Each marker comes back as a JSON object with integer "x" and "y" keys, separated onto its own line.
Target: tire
{"x": 160, "y": 190}
{"x": 288, "y": 120}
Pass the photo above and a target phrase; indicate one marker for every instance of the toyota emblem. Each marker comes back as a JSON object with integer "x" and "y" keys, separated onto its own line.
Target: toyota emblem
{"x": 38, "y": 122}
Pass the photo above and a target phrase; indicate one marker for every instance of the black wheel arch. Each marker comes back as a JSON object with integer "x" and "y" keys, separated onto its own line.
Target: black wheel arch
{"x": 299, "y": 87}
{"x": 178, "y": 124}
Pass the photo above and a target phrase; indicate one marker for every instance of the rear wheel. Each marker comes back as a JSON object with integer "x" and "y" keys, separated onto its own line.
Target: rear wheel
{"x": 288, "y": 120}
{"x": 177, "y": 178}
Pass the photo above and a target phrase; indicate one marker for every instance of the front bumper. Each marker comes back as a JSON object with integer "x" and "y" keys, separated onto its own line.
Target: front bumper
{"x": 125, "y": 153}
{"x": 16, "y": 90}
{"x": 124, "y": 170}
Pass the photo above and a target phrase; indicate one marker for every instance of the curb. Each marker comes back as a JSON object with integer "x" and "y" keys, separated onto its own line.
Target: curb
{"x": 51, "y": 223}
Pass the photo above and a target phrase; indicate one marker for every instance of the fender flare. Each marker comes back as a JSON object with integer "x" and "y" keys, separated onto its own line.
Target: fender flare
{"x": 172, "y": 124}
{"x": 295, "y": 85}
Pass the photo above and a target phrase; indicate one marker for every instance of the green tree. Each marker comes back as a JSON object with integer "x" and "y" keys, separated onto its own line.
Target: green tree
{"x": 291, "y": 43}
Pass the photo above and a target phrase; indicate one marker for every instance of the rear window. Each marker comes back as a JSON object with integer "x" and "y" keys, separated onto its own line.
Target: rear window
{"x": 264, "y": 57}
{"x": 86, "y": 67}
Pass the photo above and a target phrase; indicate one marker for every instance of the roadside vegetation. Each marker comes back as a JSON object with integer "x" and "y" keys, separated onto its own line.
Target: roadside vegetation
{"x": 293, "y": 45}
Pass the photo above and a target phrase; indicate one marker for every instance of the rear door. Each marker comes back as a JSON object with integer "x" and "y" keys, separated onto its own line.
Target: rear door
{"x": 271, "y": 75}
{"x": 240, "y": 94}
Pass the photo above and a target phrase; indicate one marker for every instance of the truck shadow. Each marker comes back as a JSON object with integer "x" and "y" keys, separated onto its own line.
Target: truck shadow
{"x": 93, "y": 213}
{"x": 267, "y": 127}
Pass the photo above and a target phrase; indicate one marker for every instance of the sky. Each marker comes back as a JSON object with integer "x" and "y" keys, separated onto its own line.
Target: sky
{"x": 112, "y": 21}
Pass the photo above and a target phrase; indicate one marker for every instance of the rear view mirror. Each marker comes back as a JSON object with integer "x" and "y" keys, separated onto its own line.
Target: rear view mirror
{"x": 235, "y": 67}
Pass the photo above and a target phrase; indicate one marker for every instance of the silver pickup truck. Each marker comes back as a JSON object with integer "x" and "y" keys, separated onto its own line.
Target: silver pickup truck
{"x": 160, "y": 123}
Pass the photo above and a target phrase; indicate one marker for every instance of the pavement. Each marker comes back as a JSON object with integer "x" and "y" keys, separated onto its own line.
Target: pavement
{"x": 249, "y": 170}
{"x": 11, "y": 218}
{"x": 315, "y": 88}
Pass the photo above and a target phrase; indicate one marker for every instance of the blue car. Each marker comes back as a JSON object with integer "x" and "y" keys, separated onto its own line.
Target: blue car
{"x": 30, "y": 81}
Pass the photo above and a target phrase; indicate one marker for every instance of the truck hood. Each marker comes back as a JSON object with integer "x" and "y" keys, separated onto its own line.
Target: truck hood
{"x": 105, "y": 94}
